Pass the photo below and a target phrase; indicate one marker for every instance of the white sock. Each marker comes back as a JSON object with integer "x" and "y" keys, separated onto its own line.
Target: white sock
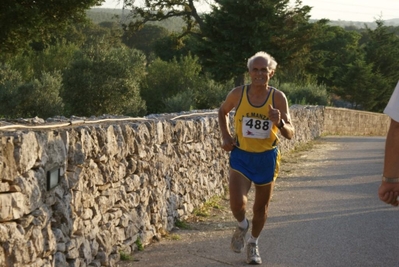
{"x": 253, "y": 240}
{"x": 243, "y": 224}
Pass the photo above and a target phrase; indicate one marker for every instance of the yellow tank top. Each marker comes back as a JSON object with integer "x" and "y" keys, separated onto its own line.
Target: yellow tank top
{"x": 254, "y": 131}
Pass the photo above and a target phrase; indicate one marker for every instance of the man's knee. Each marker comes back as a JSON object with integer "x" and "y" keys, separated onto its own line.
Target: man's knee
{"x": 260, "y": 211}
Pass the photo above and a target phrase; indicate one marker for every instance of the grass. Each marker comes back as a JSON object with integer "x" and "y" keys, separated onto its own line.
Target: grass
{"x": 175, "y": 237}
{"x": 171, "y": 236}
{"x": 182, "y": 224}
{"x": 139, "y": 244}
{"x": 291, "y": 156}
{"x": 125, "y": 256}
{"x": 212, "y": 203}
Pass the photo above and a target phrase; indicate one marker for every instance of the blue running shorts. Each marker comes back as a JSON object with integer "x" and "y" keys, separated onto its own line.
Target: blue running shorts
{"x": 260, "y": 168}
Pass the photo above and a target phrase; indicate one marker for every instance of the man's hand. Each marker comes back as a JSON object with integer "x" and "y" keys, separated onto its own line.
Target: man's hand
{"x": 274, "y": 115}
{"x": 228, "y": 143}
{"x": 389, "y": 193}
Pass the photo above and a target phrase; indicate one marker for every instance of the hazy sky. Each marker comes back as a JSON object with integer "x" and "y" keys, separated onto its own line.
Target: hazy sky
{"x": 352, "y": 10}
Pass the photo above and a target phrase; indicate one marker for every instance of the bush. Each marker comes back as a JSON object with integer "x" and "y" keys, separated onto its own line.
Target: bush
{"x": 308, "y": 94}
{"x": 166, "y": 80}
{"x": 105, "y": 81}
{"x": 211, "y": 94}
{"x": 180, "y": 102}
{"x": 32, "y": 64}
{"x": 39, "y": 97}
{"x": 180, "y": 85}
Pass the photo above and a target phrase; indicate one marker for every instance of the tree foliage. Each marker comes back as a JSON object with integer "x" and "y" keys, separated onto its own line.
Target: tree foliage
{"x": 104, "y": 81}
{"x": 356, "y": 84}
{"x": 368, "y": 79}
{"x": 196, "y": 67}
{"x": 155, "y": 10}
{"x": 331, "y": 52}
{"x": 179, "y": 84}
{"x": 172, "y": 46}
{"x": 306, "y": 93}
{"x": 145, "y": 39}
{"x": 382, "y": 50}
{"x": 22, "y": 22}
{"x": 10, "y": 80}
{"x": 39, "y": 97}
{"x": 235, "y": 30}
{"x": 165, "y": 80}
{"x": 32, "y": 64}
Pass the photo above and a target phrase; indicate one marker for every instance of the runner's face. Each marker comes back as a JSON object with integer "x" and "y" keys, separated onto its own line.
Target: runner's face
{"x": 260, "y": 74}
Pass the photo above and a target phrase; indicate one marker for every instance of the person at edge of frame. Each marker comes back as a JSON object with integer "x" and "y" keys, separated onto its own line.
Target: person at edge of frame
{"x": 260, "y": 112}
{"x": 388, "y": 190}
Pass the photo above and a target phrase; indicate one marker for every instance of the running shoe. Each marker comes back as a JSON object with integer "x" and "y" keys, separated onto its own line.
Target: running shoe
{"x": 238, "y": 239}
{"x": 253, "y": 256}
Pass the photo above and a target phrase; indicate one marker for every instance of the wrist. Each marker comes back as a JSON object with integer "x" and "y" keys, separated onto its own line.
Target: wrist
{"x": 281, "y": 124}
{"x": 390, "y": 180}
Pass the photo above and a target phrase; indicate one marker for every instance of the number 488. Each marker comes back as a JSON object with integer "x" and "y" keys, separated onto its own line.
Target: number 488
{"x": 258, "y": 124}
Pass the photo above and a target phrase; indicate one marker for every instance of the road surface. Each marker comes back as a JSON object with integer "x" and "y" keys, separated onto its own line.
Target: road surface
{"x": 324, "y": 212}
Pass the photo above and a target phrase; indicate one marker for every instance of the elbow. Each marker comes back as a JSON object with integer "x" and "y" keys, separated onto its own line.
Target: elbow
{"x": 290, "y": 134}
{"x": 221, "y": 113}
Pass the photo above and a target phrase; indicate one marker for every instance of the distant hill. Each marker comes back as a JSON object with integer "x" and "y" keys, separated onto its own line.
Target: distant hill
{"x": 98, "y": 15}
{"x": 360, "y": 24}
{"x": 393, "y": 22}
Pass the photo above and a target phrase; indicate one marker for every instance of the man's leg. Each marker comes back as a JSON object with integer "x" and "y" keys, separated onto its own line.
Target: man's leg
{"x": 238, "y": 188}
{"x": 262, "y": 198}
{"x": 263, "y": 195}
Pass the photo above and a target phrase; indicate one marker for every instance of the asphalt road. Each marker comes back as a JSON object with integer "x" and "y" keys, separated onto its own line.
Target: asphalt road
{"x": 325, "y": 212}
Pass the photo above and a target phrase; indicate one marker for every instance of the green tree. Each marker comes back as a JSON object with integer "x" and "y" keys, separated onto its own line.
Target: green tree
{"x": 180, "y": 85}
{"x": 105, "y": 81}
{"x": 32, "y": 64}
{"x": 360, "y": 69}
{"x": 235, "y": 30}
{"x": 22, "y": 22}
{"x": 382, "y": 50}
{"x": 367, "y": 79}
{"x": 210, "y": 94}
{"x": 229, "y": 36}
{"x": 10, "y": 80}
{"x": 306, "y": 94}
{"x": 331, "y": 52}
{"x": 40, "y": 97}
{"x": 145, "y": 39}
{"x": 356, "y": 84}
{"x": 173, "y": 46}
{"x": 156, "y": 10}
{"x": 101, "y": 36}
{"x": 165, "y": 80}
{"x": 182, "y": 101}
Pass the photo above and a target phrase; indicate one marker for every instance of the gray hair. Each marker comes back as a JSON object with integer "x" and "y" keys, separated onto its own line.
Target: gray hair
{"x": 271, "y": 62}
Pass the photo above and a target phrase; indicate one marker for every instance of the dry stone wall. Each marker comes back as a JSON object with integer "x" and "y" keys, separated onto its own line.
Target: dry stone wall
{"x": 340, "y": 121}
{"x": 121, "y": 180}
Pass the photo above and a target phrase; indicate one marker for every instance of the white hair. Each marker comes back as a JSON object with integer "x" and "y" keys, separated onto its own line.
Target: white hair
{"x": 271, "y": 62}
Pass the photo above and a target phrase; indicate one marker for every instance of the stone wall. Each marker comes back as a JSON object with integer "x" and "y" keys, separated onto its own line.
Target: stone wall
{"x": 340, "y": 121}
{"x": 122, "y": 180}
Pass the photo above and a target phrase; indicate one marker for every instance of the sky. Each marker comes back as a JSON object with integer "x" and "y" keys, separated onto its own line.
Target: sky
{"x": 349, "y": 10}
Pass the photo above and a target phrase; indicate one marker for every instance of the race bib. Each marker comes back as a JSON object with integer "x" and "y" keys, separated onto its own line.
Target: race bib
{"x": 256, "y": 128}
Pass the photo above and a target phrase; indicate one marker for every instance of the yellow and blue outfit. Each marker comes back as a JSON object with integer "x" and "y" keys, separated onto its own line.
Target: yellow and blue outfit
{"x": 256, "y": 155}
